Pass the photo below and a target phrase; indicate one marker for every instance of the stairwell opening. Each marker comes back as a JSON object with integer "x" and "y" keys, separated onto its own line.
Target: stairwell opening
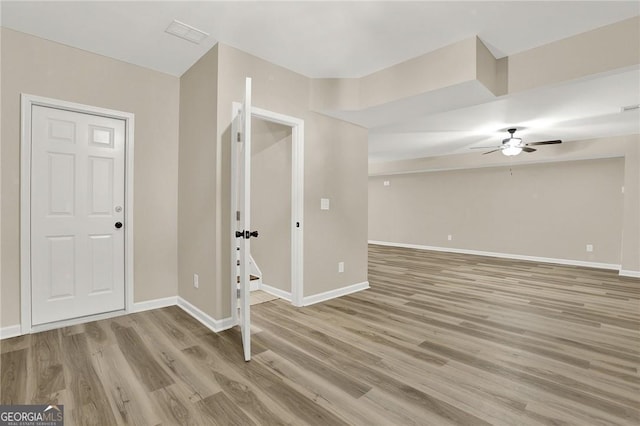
{"x": 271, "y": 174}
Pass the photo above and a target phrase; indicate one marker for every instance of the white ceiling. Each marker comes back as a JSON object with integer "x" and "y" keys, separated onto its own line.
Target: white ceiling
{"x": 317, "y": 39}
{"x": 352, "y": 39}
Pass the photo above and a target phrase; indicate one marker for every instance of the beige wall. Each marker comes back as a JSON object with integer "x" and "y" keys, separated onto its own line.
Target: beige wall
{"x": 443, "y": 67}
{"x": 271, "y": 202}
{"x": 490, "y": 72}
{"x": 335, "y": 168}
{"x": 39, "y": 67}
{"x": 197, "y": 248}
{"x": 548, "y": 210}
{"x": 631, "y": 220}
{"x": 448, "y": 67}
{"x": 336, "y": 153}
{"x": 612, "y": 47}
{"x": 626, "y": 147}
{"x": 182, "y": 171}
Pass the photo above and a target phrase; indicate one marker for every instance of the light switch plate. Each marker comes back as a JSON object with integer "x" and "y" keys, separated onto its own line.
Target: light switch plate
{"x": 324, "y": 204}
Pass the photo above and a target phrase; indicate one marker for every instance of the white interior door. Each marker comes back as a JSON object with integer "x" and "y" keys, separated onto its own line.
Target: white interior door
{"x": 243, "y": 219}
{"x": 77, "y": 214}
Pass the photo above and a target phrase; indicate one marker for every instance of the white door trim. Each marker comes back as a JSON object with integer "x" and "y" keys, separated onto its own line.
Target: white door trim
{"x": 297, "y": 195}
{"x": 297, "y": 201}
{"x": 27, "y": 103}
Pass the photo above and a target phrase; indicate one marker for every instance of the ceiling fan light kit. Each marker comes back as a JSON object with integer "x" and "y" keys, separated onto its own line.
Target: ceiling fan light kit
{"x": 511, "y": 150}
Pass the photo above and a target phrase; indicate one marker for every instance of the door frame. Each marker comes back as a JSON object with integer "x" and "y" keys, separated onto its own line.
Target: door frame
{"x": 27, "y": 104}
{"x": 297, "y": 200}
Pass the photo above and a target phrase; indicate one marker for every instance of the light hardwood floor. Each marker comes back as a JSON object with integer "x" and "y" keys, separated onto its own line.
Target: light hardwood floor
{"x": 259, "y": 296}
{"x": 438, "y": 339}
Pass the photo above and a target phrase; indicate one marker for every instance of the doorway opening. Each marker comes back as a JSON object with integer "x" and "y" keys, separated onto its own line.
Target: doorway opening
{"x": 280, "y": 141}
{"x": 271, "y": 157}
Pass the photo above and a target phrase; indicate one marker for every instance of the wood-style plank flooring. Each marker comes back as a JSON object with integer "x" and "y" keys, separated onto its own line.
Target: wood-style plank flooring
{"x": 259, "y": 296}
{"x": 439, "y": 339}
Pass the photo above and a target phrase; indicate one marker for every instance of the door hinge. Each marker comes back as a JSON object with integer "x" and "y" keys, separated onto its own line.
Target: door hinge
{"x": 238, "y": 215}
{"x": 237, "y": 293}
{"x": 239, "y": 137}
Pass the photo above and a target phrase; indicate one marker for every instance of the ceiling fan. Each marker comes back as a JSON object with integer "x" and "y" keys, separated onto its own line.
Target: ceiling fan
{"x": 514, "y": 146}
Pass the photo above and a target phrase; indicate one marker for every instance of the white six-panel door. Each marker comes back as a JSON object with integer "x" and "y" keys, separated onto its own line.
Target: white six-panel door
{"x": 77, "y": 201}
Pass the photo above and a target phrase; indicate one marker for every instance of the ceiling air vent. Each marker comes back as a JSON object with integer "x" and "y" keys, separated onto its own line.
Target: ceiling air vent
{"x": 630, "y": 108}
{"x": 186, "y": 32}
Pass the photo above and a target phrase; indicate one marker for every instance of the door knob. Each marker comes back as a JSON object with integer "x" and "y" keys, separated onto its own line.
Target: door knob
{"x": 246, "y": 234}
{"x": 118, "y": 225}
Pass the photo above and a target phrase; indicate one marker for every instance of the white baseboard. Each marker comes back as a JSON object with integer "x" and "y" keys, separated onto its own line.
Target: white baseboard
{"x": 629, "y": 273}
{"x": 154, "y": 304}
{"x": 332, "y": 294}
{"x": 209, "y": 322}
{"x": 569, "y": 262}
{"x": 206, "y": 320}
{"x": 10, "y": 331}
{"x": 286, "y": 295}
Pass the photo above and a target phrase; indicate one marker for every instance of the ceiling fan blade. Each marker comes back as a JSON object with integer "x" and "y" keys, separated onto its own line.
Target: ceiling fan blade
{"x": 489, "y": 152}
{"x": 544, "y": 143}
{"x": 484, "y": 147}
{"x": 525, "y": 149}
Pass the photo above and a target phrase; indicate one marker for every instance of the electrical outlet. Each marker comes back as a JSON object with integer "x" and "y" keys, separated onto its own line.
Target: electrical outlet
{"x": 589, "y": 248}
{"x": 340, "y": 266}
{"x": 196, "y": 283}
{"x": 449, "y": 237}
{"x": 386, "y": 183}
